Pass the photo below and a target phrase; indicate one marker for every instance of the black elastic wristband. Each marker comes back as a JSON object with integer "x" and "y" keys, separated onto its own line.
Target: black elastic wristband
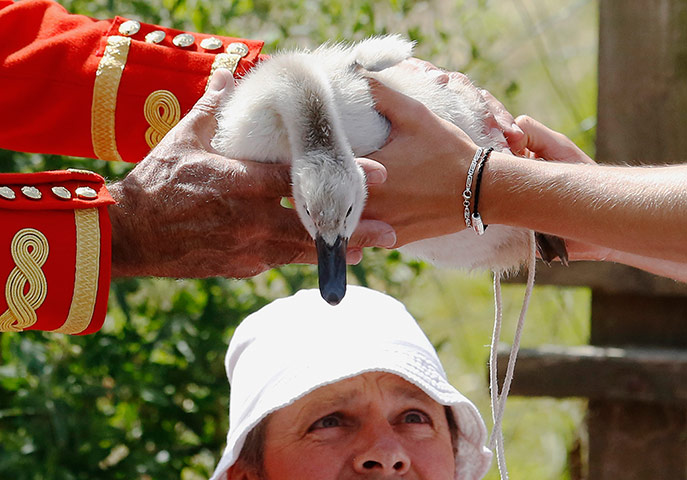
{"x": 478, "y": 182}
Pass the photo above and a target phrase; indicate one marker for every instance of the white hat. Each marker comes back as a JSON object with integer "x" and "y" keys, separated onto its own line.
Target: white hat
{"x": 297, "y": 344}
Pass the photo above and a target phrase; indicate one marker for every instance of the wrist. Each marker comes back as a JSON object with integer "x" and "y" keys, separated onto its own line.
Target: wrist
{"x": 123, "y": 244}
{"x": 496, "y": 185}
{"x": 115, "y": 213}
{"x": 471, "y": 194}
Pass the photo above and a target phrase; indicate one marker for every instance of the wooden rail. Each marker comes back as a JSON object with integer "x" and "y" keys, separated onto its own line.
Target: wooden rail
{"x": 648, "y": 375}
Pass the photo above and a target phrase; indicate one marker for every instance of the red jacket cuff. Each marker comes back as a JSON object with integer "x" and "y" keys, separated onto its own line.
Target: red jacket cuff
{"x": 54, "y": 251}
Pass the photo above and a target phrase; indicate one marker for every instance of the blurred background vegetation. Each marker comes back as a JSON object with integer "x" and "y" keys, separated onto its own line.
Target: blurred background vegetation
{"x": 146, "y": 398}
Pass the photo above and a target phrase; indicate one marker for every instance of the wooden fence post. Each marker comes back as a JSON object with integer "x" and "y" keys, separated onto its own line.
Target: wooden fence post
{"x": 642, "y": 115}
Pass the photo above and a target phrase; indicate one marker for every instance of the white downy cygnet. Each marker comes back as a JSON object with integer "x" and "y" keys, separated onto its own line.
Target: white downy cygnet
{"x": 315, "y": 111}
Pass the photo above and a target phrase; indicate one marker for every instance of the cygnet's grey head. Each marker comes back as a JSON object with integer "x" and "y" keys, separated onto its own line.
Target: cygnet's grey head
{"x": 329, "y": 196}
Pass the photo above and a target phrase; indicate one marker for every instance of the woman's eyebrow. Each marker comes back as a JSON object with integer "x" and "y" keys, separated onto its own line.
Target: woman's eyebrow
{"x": 412, "y": 393}
{"x": 327, "y": 403}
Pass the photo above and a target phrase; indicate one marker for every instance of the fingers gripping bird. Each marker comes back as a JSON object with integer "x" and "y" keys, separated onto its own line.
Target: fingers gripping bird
{"x": 314, "y": 110}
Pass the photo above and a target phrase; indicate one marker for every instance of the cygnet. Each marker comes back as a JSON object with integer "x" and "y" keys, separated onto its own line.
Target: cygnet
{"x": 314, "y": 110}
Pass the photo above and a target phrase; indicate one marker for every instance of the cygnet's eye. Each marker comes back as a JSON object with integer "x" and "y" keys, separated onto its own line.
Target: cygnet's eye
{"x": 350, "y": 209}
{"x": 307, "y": 211}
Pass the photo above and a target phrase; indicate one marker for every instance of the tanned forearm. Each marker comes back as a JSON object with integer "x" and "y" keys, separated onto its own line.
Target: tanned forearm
{"x": 641, "y": 211}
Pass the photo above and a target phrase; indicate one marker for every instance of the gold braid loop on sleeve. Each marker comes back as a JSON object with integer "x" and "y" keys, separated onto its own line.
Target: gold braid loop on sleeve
{"x": 29, "y": 252}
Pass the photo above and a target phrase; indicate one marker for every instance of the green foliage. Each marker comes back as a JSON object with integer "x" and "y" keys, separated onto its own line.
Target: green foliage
{"x": 147, "y": 396}
{"x": 144, "y": 396}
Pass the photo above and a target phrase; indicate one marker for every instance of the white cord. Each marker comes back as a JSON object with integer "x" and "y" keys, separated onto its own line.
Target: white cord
{"x": 493, "y": 376}
{"x": 498, "y": 402}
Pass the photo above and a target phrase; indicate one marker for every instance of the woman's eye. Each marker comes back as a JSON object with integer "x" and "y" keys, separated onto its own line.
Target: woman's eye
{"x": 330, "y": 421}
{"x": 415, "y": 417}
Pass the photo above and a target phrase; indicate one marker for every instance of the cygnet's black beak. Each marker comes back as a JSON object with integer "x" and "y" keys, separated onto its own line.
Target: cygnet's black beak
{"x": 331, "y": 266}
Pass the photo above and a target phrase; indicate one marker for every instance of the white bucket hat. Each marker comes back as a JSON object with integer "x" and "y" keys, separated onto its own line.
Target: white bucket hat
{"x": 297, "y": 344}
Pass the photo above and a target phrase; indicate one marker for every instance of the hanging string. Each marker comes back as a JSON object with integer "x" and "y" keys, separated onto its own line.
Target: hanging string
{"x": 493, "y": 376}
{"x": 498, "y": 402}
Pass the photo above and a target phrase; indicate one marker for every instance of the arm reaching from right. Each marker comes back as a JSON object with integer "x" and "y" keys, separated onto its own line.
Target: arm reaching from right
{"x": 632, "y": 215}
{"x": 657, "y": 194}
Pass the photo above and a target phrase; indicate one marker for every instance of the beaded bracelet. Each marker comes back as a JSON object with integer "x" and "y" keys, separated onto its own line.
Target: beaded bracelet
{"x": 477, "y": 225}
{"x": 467, "y": 193}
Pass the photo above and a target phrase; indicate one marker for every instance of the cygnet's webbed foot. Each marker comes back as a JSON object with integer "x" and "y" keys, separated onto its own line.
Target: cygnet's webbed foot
{"x": 331, "y": 267}
{"x": 550, "y": 247}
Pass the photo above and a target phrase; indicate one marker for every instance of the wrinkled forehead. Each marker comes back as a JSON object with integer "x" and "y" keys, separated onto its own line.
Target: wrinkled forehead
{"x": 365, "y": 385}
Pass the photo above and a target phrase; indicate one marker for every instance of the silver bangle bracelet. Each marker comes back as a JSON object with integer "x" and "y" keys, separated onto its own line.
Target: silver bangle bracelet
{"x": 467, "y": 193}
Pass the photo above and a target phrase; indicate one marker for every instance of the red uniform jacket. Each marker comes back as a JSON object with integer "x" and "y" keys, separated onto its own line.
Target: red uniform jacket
{"x": 73, "y": 85}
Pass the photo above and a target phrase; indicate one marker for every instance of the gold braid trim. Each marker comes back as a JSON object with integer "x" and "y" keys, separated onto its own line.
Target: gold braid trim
{"x": 162, "y": 112}
{"x": 224, "y": 60}
{"x": 87, "y": 271}
{"x": 29, "y": 251}
{"x": 107, "y": 79}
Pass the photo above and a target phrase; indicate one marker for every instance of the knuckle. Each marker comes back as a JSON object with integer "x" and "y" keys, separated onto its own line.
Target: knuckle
{"x": 461, "y": 77}
{"x": 191, "y": 171}
{"x": 417, "y": 110}
{"x": 297, "y": 256}
{"x": 244, "y": 267}
{"x": 207, "y": 103}
{"x": 362, "y": 239}
{"x": 442, "y": 78}
{"x": 525, "y": 120}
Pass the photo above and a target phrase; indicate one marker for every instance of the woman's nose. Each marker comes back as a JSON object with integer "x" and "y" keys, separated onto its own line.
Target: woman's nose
{"x": 381, "y": 453}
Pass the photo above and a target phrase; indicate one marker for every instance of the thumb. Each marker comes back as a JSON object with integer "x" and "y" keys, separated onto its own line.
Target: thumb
{"x": 201, "y": 119}
{"x": 549, "y": 144}
{"x": 219, "y": 81}
{"x": 221, "y": 85}
{"x": 401, "y": 110}
{"x": 539, "y": 138}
